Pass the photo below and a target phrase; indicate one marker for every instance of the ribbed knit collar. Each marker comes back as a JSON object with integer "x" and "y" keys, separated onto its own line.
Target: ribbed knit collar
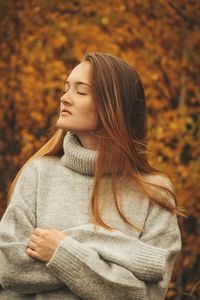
{"x": 76, "y": 157}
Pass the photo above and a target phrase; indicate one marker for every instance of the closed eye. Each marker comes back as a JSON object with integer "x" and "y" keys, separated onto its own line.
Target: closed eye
{"x": 81, "y": 93}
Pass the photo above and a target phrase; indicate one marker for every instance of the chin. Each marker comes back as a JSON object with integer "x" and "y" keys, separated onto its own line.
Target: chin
{"x": 61, "y": 125}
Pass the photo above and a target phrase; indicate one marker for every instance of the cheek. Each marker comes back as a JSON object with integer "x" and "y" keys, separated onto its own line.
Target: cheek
{"x": 88, "y": 108}
{"x": 90, "y": 115}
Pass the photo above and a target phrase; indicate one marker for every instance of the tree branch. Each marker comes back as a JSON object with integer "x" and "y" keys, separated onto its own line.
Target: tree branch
{"x": 190, "y": 22}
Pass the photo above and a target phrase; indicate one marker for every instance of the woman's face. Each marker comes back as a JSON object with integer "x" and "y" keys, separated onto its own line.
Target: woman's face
{"x": 78, "y": 111}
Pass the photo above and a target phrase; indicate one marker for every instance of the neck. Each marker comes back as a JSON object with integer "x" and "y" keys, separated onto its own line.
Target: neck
{"x": 76, "y": 157}
{"x": 88, "y": 140}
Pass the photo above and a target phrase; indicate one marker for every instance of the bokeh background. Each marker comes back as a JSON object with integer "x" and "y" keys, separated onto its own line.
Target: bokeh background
{"x": 42, "y": 40}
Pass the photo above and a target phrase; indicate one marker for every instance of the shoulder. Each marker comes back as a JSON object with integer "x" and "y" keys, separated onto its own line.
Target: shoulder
{"x": 163, "y": 188}
{"x": 42, "y": 163}
{"x": 45, "y": 161}
{"x": 32, "y": 169}
{"x": 159, "y": 179}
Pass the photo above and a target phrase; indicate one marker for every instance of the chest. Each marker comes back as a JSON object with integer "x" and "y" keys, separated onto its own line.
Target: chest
{"x": 64, "y": 202}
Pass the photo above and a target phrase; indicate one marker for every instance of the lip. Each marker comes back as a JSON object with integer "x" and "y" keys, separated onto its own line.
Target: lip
{"x": 65, "y": 111}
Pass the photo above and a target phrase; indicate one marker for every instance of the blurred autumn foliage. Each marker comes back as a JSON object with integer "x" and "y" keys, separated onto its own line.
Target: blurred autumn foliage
{"x": 40, "y": 42}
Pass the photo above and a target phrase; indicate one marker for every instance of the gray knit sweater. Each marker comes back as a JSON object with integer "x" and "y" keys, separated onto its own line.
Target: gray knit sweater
{"x": 91, "y": 262}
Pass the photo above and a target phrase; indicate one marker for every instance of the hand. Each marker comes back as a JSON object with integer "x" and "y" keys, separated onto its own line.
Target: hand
{"x": 43, "y": 243}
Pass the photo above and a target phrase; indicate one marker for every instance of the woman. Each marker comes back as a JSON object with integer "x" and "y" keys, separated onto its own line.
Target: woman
{"x": 89, "y": 217}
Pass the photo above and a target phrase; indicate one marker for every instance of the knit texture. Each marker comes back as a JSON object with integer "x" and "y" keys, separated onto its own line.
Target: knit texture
{"x": 91, "y": 262}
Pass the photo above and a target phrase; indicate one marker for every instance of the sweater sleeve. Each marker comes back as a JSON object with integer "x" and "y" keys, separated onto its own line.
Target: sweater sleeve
{"x": 111, "y": 265}
{"x": 18, "y": 271}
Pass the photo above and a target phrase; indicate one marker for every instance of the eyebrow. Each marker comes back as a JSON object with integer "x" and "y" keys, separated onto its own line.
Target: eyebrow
{"x": 79, "y": 82}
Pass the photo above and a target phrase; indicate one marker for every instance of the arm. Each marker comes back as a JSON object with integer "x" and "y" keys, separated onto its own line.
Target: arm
{"x": 18, "y": 271}
{"x": 162, "y": 230}
{"x": 111, "y": 265}
{"x": 90, "y": 277}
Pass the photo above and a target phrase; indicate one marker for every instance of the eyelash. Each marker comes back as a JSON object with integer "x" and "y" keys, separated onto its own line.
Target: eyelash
{"x": 83, "y": 94}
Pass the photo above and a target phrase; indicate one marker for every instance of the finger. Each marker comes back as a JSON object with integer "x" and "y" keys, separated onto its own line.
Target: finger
{"x": 38, "y": 231}
{"x": 32, "y": 245}
{"x": 34, "y": 238}
{"x": 32, "y": 253}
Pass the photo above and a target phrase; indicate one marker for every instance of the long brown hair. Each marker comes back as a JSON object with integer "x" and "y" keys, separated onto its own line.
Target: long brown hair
{"x": 119, "y": 96}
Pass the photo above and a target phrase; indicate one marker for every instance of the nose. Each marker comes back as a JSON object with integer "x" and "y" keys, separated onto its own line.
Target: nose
{"x": 66, "y": 99}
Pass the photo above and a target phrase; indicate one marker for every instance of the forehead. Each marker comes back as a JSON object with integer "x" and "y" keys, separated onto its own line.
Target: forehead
{"x": 81, "y": 72}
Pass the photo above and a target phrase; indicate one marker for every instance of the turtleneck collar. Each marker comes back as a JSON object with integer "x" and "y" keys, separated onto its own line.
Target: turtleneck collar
{"x": 76, "y": 157}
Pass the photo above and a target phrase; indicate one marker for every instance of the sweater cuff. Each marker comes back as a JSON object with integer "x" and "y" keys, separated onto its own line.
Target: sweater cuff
{"x": 150, "y": 262}
{"x": 68, "y": 258}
